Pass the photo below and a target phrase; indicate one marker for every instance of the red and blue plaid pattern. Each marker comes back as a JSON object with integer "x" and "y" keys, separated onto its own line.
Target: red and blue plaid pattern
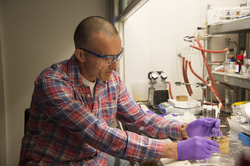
{"x": 68, "y": 127}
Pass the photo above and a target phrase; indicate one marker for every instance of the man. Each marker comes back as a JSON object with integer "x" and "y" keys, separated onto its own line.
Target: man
{"x": 75, "y": 102}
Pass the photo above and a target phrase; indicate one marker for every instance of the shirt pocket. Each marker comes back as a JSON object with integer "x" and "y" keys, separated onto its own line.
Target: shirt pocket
{"x": 109, "y": 109}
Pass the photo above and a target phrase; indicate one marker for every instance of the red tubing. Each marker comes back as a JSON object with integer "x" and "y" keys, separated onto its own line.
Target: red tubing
{"x": 208, "y": 69}
{"x": 210, "y": 51}
{"x": 184, "y": 75}
{"x": 170, "y": 91}
{"x": 200, "y": 78}
{"x": 189, "y": 87}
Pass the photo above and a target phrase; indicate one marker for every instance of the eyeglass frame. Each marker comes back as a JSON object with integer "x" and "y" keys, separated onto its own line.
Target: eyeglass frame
{"x": 103, "y": 56}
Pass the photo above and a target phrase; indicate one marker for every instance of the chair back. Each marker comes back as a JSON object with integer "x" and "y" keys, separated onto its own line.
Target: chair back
{"x": 26, "y": 118}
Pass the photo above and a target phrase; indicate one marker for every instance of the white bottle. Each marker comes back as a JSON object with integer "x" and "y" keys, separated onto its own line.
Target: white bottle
{"x": 244, "y": 55}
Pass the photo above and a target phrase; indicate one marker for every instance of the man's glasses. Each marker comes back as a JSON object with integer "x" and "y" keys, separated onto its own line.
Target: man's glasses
{"x": 107, "y": 60}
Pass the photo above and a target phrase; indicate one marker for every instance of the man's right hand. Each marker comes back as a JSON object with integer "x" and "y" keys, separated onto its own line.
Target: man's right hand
{"x": 197, "y": 148}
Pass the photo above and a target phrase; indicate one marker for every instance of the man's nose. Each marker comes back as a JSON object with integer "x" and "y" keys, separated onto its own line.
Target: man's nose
{"x": 113, "y": 65}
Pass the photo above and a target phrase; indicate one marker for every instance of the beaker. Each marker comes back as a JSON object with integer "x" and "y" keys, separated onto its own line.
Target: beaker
{"x": 243, "y": 71}
{"x": 230, "y": 98}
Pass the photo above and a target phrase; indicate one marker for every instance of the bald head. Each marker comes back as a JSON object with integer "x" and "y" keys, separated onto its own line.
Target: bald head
{"x": 92, "y": 25}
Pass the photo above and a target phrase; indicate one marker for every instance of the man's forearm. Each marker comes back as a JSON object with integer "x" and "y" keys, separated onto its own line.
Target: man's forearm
{"x": 170, "y": 150}
{"x": 184, "y": 132}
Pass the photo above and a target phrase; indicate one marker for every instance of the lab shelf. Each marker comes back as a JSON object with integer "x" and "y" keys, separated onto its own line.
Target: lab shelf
{"x": 232, "y": 79}
{"x": 242, "y": 28}
{"x": 234, "y": 26}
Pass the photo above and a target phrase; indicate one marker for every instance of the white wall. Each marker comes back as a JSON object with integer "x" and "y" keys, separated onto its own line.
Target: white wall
{"x": 33, "y": 34}
{"x": 153, "y": 33}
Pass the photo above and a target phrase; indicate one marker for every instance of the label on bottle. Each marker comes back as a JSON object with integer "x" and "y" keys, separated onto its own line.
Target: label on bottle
{"x": 237, "y": 68}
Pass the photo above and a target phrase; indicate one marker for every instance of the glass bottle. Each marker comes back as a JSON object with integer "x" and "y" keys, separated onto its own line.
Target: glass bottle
{"x": 243, "y": 70}
{"x": 209, "y": 111}
{"x": 204, "y": 110}
{"x": 238, "y": 64}
{"x": 215, "y": 111}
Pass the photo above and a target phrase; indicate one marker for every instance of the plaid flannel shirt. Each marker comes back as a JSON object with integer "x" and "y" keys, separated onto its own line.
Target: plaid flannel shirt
{"x": 68, "y": 127}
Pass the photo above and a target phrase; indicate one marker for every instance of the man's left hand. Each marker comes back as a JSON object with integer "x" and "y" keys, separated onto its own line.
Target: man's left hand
{"x": 204, "y": 127}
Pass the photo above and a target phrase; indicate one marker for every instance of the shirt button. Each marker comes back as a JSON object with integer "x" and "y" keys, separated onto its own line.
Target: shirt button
{"x": 88, "y": 95}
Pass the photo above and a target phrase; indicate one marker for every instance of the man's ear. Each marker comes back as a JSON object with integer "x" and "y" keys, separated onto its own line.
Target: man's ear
{"x": 80, "y": 55}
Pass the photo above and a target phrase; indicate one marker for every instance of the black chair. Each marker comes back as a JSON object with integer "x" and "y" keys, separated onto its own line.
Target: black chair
{"x": 26, "y": 118}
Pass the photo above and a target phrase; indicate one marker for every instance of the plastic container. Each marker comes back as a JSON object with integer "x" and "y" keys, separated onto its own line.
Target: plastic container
{"x": 244, "y": 138}
{"x": 216, "y": 160}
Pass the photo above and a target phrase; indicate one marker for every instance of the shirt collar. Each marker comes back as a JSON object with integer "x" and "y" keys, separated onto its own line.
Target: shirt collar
{"x": 74, "y": 72}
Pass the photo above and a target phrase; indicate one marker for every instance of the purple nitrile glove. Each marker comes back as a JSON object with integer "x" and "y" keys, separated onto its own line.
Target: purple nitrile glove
{"x": 197, "y": 148}
{"x": 204, "y": 127}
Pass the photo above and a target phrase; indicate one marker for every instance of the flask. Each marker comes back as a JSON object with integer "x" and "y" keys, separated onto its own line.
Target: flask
{"x": 238, "y": 64}
{"x": 243, "y": 70}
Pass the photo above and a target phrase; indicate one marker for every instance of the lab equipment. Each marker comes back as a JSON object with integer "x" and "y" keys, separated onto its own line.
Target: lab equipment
{"x": 215, "y": 111}
{"x": 238, "y": 64}
{"x": 197, "y": 148}
{"x": 209, "y": 111}
{"x": 243, "y": 71}
{"x": 242, "y": 111}
{"x": 245, "y": 138}
{"x": 157, "y": 92}
{"x": 226, "y": 68}
{"x": 214, "y": 89}
{"x": 204, "y": 127}
{"x": 204, "y": 111}
{"x": 216, "y": 160}
{"x": 230, "y": 98}
{"x": 226, "y": 14}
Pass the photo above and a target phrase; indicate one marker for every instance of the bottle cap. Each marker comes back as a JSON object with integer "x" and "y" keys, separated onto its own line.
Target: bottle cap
{"x": 239, "y": 57}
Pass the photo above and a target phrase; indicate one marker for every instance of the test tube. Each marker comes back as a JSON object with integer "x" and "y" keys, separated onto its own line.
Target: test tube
{"x": 209, "y": 111}
{"x": 215, "y": 112}
{"x": 204, "y": 111}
